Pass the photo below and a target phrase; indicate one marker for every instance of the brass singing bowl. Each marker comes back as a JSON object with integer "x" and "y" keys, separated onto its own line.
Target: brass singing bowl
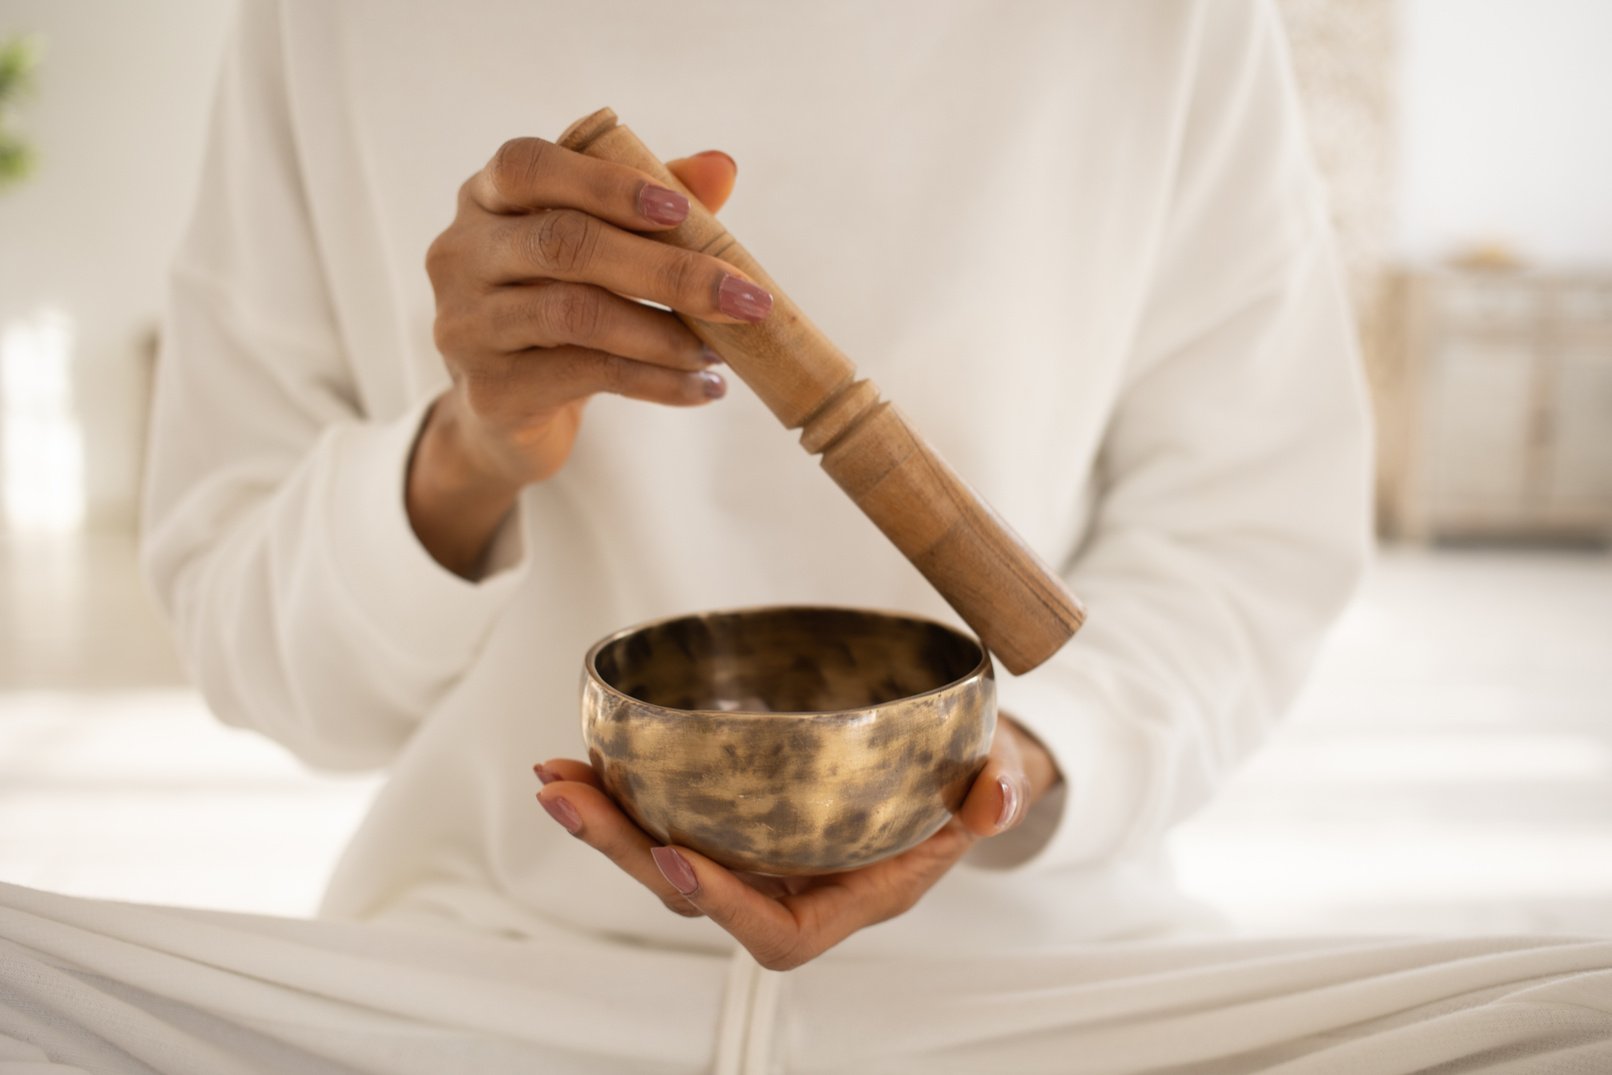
{"x": 789, "y": 740}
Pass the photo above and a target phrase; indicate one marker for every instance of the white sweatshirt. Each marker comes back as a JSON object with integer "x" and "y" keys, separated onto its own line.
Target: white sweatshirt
{"x": 1080, "y": 244}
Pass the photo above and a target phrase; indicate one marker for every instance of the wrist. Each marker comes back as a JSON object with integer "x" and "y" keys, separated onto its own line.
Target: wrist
{"x": 455, "y": 498}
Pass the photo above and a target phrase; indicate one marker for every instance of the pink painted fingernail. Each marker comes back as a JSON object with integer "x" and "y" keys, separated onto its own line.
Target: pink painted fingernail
{"x": 709, "y": 356}
{"x": 738, "y": 297}
{"x": 1010, "y": 801}
{"x": 675, "y": 868}
{"x": 661, "y": 205}
{"x": 564, "y": 813}
{"x": 713, "y": 384}
{"x": 544, "y": 775}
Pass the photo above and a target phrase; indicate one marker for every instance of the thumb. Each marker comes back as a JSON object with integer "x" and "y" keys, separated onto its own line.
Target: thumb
{"x": 998, "y": 799}
{"x": 708, "y": 176}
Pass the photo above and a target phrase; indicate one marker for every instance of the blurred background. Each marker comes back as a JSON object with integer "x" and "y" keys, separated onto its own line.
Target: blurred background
{"x": 1450, "y": 765}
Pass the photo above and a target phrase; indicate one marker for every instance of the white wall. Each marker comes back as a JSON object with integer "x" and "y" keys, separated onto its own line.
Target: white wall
{"x": 1505, "y": 134}
{"x": 1506, "y": 128}
{"x": 117, "y": 122}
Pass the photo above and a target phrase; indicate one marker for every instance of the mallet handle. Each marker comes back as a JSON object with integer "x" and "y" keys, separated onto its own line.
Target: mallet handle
{"x": 1020, "y": 609}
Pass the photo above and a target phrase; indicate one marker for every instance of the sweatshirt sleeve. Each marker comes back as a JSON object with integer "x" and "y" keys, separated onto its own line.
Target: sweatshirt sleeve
{"x": 274, "y": 530}
{"x": 1232, "y": 515}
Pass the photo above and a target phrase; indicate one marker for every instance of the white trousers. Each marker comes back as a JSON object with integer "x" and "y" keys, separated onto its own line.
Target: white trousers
{"x": 93, "y": 986}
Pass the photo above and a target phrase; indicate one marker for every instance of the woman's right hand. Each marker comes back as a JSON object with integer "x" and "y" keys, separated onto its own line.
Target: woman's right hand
{"x": 535, "y": 281}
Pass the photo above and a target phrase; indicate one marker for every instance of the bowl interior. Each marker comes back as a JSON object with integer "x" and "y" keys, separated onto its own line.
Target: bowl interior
{"x": 785, "y": 660}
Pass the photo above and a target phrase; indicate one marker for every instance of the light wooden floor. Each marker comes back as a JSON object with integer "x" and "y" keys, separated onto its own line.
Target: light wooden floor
{"x": 1450, "y": 767}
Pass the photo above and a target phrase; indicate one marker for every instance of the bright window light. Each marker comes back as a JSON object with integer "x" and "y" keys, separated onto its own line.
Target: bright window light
{"x": 41, "y": 438}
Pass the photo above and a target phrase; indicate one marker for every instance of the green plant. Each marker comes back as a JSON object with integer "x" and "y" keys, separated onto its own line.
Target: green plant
{"x": 19, "y": 57}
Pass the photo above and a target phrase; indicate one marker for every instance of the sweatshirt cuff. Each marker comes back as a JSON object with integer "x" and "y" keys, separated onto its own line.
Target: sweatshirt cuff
{"x": 406, "y": 597}
{"x": 1101, "y": 758}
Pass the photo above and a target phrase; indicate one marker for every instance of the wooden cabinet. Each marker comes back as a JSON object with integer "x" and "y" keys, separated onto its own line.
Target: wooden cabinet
{"x": 1505, "y": 402}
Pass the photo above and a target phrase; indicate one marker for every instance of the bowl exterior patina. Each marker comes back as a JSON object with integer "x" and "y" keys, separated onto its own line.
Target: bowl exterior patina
{"x": 789, "y": 740}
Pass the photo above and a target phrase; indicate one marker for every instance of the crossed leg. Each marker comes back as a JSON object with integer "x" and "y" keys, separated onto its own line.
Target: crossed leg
{"x": 99, "y": 987}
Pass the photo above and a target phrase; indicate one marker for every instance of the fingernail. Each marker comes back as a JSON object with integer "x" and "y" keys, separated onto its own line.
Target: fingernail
{"x": 738, "y": 297}
{"x": 564, "y": 813}
{"x": 718, "y": 153}
{"x": 1010, "y": 801}
{"x": 661, "y": 205}
{"x": 675, "y": 868}
{"x": 544, "y": 775}
{"x": 710, "y": 356}
{"x": 715, "y": 387}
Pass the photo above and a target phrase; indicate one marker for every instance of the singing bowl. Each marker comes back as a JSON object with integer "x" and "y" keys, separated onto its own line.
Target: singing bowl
{"x": 789, "y": 740}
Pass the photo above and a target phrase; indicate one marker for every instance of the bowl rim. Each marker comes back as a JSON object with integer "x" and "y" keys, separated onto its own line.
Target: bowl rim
{"x": 983, "y": 669}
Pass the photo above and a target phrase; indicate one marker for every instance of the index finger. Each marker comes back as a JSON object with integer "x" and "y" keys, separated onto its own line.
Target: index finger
{"x": 592, "y": 816}
{"x": 528, "y": 174}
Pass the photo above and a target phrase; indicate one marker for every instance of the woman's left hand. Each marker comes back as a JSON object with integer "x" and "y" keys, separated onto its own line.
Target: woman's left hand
{"x": 787, "y": 921}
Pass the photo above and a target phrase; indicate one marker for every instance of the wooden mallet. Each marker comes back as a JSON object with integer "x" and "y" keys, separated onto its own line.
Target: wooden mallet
{"x": 1020, "y": 609}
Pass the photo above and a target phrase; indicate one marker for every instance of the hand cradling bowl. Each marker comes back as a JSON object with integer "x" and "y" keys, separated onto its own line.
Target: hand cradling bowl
{"x": 789, "y": 740}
